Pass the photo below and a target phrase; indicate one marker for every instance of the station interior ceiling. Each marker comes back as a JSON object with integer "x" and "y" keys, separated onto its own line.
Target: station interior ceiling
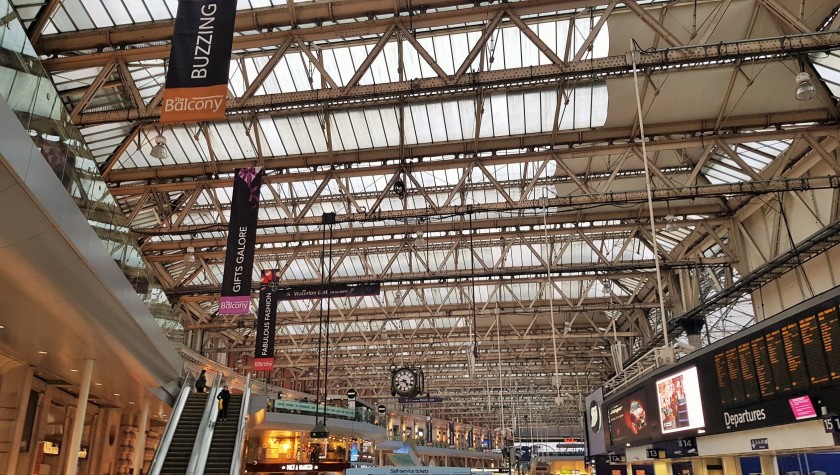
{"x": 485, "y": 164}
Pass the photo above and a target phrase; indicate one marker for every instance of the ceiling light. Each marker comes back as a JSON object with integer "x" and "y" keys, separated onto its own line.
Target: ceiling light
{"x": 117, "y": 394}
{"x": 399, "y": 188}
{"x": 42, "y": 352}
{"x": 98, "y": 384}
{"x": 131, "y": 402}
{"x": 74, "y": 371}
{"x": 159, "y": 150}
{"x": 2, "y": 327}
{"x": 805, "y": 89}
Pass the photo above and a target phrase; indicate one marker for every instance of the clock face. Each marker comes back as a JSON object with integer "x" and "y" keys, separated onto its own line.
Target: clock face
{"x": 405, "y": 382}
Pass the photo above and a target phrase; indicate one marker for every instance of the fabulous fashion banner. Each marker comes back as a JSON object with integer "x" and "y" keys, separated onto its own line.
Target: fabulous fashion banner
{"x": 330, "y": 291}
{"x": 242, "y": 232}
{"x": 197, "y": 79}
{"x": 266, "y": 321}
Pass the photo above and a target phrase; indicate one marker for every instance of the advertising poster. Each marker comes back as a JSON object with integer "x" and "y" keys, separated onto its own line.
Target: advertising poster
{"x": 629, "y": 419}
{"x": 199, "y": 60}
{"x": 595, "y": 423}
{"x": 242, "y": 235}
{"x": 680, "y": 405}
{"x": 802, "y": 408}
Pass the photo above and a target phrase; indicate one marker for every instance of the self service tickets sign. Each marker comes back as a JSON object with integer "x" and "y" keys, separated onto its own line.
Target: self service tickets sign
{"x": 196, "y": 83}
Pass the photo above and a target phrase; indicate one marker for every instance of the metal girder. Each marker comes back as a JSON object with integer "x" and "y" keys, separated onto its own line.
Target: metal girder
{"x": 299, "y": 240}
{"x": 669, "y": 59}
{"x": 617, "y": 197}
{"x": 420, "y": 312}
{"x": 354, "y": 340}
{"x": 509, "y": 271}
{"x": 328, "y": 16}
{"x": 601, "y": 141}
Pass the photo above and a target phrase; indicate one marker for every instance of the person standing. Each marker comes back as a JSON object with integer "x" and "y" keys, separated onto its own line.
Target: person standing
{"x": 201, "y": 382}
{"x": 224, "y": 398}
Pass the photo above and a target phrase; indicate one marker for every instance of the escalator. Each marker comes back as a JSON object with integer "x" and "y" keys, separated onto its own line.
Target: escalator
{"x": 181, "y": 448}
{"x": 222, "y": 448}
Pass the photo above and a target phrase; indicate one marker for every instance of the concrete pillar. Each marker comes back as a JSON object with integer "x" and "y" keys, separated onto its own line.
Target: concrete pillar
{"x": 731, "y": 465}
{"x": 140, "y": 441}
{"x": 24, "y": 386}
{"x": 769, "y": 465}
{"x": 79, "y": 425}
{"x": 40, "y": 428}
{"x": 660, "y": 467}
{"x": 698, "y": 467}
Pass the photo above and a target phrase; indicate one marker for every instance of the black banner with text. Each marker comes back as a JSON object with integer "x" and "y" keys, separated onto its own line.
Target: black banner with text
{"x": 199, "y": 60}
{"x": 242, "y": 233}
{"x": 328, "y": 291}
{"x": 266, "y": 322}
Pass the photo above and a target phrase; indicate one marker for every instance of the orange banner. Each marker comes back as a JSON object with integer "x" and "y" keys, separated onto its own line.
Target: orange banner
{"x": 193, "y": 104}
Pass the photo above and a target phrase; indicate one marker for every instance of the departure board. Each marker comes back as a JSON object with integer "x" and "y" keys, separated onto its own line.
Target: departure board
{"x": 724, "y": 388}
{"x": 812, "y": 343}
{"x": 830, "y": 330}
{"x": 792, "y": 355}
{"x": 733, "y": 369}
{"x": 778, "y": 361}
{"x": 747, "y": 364}
{"x": 795, "y": 355}
{"x": 766, "y": 386}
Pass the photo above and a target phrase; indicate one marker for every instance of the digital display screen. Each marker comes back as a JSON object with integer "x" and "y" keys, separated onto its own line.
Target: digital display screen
{"x": 788, "y": 358}
{"x": 680, "y": 406}
{"x": 629, "y": 419}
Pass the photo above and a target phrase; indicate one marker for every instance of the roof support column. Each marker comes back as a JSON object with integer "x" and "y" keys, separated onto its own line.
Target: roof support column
{"x": 140, "y": 441}
{"x": 22, "y": 378}
{"x": 79, "y": 421}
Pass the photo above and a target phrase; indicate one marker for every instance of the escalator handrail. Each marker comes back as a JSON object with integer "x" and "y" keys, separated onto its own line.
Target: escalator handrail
{"x": 201, "y": 448}
{"x": 171, "y": 426}
{"x": 242, "y": 423}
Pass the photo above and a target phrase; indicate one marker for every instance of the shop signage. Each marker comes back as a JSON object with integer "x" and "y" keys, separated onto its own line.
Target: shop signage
{"x": 329, "y": 291}
{"x": 420, "y": 400}
{"x": 299, "y": 466}
{"x": 759, "y": 444}
{"x": 351, "y": 394}
{"x": 266, "y": 321}
{"x": 381, "y": 408}
{"x": 831, "y": 424}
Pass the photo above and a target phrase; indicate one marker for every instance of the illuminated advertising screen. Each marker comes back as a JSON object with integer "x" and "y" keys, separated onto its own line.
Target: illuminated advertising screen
{"x": 680, "y": 407}
{"x": 629, "y": 419}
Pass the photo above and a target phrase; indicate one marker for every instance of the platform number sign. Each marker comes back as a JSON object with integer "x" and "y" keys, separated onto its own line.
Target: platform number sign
{"x": 831, "y": 424}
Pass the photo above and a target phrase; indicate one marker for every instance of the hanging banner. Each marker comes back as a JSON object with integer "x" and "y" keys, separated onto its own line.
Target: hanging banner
{"x": 328, "y": 291}
{"x": 199, "y": 59}
{"x": 242, "y": 233}
{"x": 266, "y": 320}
